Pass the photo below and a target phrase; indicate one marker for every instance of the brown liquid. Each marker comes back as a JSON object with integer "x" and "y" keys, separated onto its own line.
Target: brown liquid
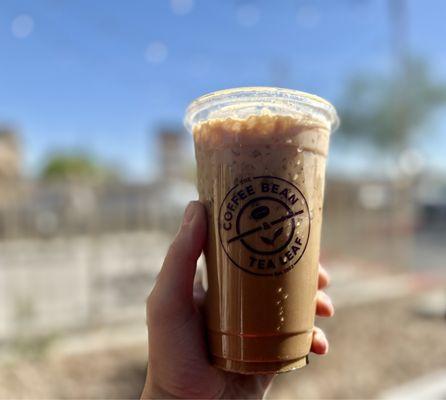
{"x": 261, "y": 180}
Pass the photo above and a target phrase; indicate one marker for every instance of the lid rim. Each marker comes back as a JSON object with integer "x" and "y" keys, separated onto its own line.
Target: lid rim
{"x": 266, "y": 92}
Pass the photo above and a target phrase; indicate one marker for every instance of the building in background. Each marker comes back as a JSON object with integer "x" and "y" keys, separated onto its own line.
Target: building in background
{"x": 10, "y": 155}
{"x": 10, "y": 167}
{"x": 50, "y": 208}
{"x": 174, "y": 156}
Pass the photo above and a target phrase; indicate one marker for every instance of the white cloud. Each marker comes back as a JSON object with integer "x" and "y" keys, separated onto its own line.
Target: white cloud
{"x": 156, "y": 52}
{"x": 248, "y": 15}
{"x": 181, "y": 7}
{"x": 22, "y": 26}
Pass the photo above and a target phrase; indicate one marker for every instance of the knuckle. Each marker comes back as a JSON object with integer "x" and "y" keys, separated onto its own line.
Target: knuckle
{"x": 175, "y": 246}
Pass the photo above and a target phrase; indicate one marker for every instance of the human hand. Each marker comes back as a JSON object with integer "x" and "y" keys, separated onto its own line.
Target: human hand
{"x": 179, "y": 363}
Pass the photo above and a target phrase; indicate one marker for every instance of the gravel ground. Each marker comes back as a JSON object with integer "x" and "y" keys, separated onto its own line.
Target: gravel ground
{"x": 374, "y": 347}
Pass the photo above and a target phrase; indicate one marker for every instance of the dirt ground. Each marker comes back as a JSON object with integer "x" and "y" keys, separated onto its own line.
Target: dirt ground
{"x": 373, "y": 347}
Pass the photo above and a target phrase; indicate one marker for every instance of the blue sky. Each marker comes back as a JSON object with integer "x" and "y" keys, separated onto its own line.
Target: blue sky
{"x": 104, "y": 75}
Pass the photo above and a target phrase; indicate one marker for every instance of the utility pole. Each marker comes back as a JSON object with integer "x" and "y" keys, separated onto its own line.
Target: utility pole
{"x": 399, "y": 27}
{"x": 403, "y": 217}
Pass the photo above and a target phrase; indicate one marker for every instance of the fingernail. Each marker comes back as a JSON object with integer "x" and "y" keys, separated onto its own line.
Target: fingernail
{"x": 327, "y": 299}
{"x": 189, "y": 213}
{"x": 320, "y": 337}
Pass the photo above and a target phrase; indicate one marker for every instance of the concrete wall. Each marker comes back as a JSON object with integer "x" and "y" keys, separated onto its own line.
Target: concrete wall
{"x": 48, "y": 286}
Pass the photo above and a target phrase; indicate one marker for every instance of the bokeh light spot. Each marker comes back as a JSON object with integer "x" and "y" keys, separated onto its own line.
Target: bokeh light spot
{"x": 22, "y": 26}
{"x": 411, "y": 162}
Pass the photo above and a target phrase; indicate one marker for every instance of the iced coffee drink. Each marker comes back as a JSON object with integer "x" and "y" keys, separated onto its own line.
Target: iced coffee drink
{"x": 261, "y": 156}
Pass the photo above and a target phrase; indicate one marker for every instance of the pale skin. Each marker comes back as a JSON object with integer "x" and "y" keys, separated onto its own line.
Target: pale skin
{"x": 179, "y": 364}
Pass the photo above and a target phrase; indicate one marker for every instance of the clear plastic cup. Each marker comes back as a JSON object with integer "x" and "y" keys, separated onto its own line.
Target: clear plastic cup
{"x": 261, "y": 156}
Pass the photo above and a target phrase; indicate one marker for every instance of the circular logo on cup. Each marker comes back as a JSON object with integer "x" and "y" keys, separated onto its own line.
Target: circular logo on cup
{"x": 264, "y": 225}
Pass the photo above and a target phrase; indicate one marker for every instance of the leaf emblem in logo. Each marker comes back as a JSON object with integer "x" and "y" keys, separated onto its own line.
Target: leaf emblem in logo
{"x": 271, "y": 241}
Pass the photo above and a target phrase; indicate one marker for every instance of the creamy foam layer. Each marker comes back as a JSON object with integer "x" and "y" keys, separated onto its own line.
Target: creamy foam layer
{"x": 275, "y": 130}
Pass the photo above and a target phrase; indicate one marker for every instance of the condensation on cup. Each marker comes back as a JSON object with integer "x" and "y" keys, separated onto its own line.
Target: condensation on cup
{"x": 261, "y": 155}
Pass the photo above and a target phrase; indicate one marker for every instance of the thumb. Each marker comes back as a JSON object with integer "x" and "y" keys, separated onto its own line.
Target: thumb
{"x": 172, "y": 295}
